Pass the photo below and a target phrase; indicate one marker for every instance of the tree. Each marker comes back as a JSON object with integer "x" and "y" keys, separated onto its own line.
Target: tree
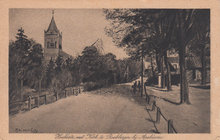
{"x": 109, "y": 68}
{"x": 130, "y": 29}
{"x": 142, "y": 32}
{"x": 13, "y": 80}
{"x": 50, "y": 72}
{"x": 90, "y": 64}
{"x": 201, "y": 43}
{"x": 161, "y": 42}
{"x": 18, "y": 61}
{"x": 35, "y": 70}
{"x": 75, "y": 69}
{"x": 59, "y": 64}
{"x": 186, "y": 29}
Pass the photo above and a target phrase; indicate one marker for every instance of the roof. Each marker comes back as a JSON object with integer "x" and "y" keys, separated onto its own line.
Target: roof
{"x": 52, "y": 27}
{"x": 65, "y": 55}
{"x": 195, "y": 62}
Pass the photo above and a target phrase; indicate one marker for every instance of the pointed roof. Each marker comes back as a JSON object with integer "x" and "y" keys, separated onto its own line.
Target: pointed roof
{"x": 52, "y": 27}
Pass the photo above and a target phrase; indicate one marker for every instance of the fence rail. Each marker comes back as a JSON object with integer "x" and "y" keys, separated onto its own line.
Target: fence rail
{"x": 37, "y": 100}
{"x": 159, "y": 114}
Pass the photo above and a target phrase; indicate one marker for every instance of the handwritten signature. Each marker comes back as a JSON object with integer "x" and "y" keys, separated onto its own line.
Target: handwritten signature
{"x": 26, "y": 130}
{"x": 107, "y": 136}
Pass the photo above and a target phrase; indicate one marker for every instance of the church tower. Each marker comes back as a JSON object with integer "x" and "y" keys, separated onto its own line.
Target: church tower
{"x": 52, "y": 41}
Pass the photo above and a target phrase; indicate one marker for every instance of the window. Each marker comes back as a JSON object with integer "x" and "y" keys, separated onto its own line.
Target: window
{"x": 48, "y": 44}
{"x": 175, "y": 66}
{"x": 52, "y": 45}
{"x": 55, "y": 44}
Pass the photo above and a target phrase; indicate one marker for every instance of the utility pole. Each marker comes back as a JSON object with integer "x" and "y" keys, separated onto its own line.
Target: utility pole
{"x": 142, "y": 70}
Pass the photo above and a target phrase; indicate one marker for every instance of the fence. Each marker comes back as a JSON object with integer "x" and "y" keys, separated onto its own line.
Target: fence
{"x": 35, "y": 101}
{"x": 159, "y": 114}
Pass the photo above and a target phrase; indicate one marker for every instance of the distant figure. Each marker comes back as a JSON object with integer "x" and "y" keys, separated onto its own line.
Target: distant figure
{"x": 139, "y": 86}
{"x": 134, "y": 87}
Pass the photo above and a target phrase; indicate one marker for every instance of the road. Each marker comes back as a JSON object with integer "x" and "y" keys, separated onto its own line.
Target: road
{"x": 85, "y": 113}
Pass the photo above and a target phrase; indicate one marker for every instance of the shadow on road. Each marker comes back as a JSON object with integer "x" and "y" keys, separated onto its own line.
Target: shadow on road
{"x": 123, "y": 91}
{"x": 151, "y": 120}
{"x": 202, "y": 87}
{"x": 172, "y": 102}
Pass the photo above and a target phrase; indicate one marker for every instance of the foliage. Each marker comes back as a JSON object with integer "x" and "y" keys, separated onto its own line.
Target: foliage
{"x": 97, "y": 70}
{"x": 90, "y": 64}
{"x": 88, "y": 86}
{"x": 153, "y": 32}
{"x": 19, "y": 59}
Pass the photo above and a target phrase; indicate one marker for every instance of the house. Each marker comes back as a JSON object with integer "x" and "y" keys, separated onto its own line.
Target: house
{"x": 173, "y": 59}
{"x": 194, "y": 67}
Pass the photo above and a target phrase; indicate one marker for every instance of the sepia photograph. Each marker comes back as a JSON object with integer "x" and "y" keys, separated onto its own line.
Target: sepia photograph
{"x": 124, "y": 70}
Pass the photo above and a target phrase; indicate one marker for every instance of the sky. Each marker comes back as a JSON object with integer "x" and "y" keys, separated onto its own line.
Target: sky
{"x": 79, "y": 27}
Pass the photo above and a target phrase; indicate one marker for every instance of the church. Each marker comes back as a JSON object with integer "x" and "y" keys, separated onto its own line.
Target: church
{"x": 53, "y": 42}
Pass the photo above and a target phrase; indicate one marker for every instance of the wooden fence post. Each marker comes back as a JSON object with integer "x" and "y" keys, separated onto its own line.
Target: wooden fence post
{"x": 20, "y": 107}
{"x": 65, "y": 93}
{"x": 56, "y": 96}
{"x": 38, "y": 100}
{"x": 77, "y": 92}
{"x": 153, "y": 105}
{"x": 29, "y": 102}
{"x": 148, "y": 99}
{"x": 158, "y": 115}
{"x": 45, "y": 99}
{"x": 170, "y": 126}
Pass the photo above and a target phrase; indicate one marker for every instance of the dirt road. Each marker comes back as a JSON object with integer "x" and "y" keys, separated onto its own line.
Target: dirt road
{"x": 85, "y": 113}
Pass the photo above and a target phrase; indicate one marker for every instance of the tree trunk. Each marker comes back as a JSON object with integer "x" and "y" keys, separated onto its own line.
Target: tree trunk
{"x": 184, "y": 91}
{"x": 162, "y": 73}
{"x": 152, "y": 66}
{"x": 142, "y": 72}
{"x": 40, "y": 86}
{"x": 21, "y": 90}
{"x": 115, "y": 80}
{"x": 158, "y": 63}
{"x": 203, "y": 60}
{"x": 168, "y": 80}
{"x": 16, "y": 84}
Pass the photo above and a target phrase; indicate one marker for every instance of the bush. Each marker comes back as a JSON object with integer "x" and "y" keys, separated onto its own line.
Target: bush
{"x": 88, "y": 86}
{"x": 175, "y": 80}
{"x": 153, "y": 80}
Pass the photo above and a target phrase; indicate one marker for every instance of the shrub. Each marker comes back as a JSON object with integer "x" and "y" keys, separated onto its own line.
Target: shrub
{"x": 88, "y": 86}
{"x": 153, "y": 80}
{"x": 175, "y": 80}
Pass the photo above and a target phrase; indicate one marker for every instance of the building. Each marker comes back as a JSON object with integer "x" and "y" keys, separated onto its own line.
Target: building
{"x": 173, "y": 59}
{"x": 53, "y": 42}
{"x": 194, "y": 66}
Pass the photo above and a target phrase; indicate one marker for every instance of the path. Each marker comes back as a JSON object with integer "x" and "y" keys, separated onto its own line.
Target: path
{"x": 85, "y": 113}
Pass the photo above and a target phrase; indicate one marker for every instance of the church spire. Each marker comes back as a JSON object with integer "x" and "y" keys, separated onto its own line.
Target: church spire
{"x": 52, "y": 27}
{"x": 52, "y": 13}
